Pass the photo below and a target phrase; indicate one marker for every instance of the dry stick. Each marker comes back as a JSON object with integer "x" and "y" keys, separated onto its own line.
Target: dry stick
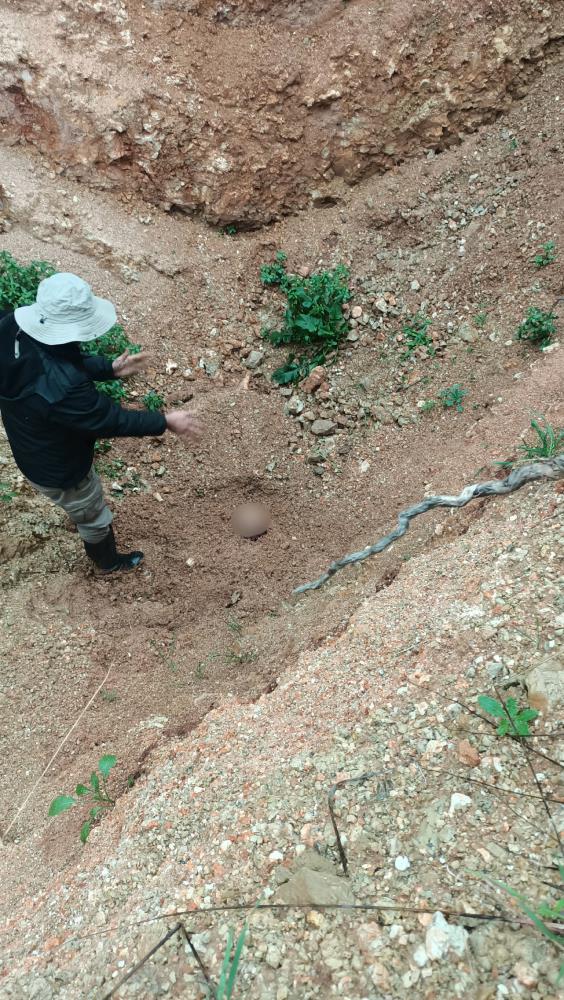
{"x": 55, "y": 755}
{"x": 551, "y": 469}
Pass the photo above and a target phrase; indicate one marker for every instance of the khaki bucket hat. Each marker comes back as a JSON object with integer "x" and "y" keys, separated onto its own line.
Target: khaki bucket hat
{"x": 65, "y": 310}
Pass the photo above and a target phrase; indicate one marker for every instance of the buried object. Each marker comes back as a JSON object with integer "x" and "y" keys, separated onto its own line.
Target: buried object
{"x": 251, "y": 520}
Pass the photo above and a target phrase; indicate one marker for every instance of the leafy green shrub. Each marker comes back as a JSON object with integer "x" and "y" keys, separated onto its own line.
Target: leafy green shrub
{"x": 453, "y": 396}
{"x": 19, "y": 282}
{"x": 111, "y": 345}
{"x": 313, "y": 318}
{"x": 549, "y": 441}
{"x": 415, "y": 334}
{"x": 546, "y": 255}
{"x": 538, "y": 327}
{"x": 152, "y": 401}
{"x": 514, "y": 720}
{"x": 18, "y": 287}
{"x": 96, "y": 792}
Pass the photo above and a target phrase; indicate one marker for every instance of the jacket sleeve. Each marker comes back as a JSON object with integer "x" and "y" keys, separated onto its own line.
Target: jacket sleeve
{"x": 97, "y": 368}
{"x": 86, "y": 410}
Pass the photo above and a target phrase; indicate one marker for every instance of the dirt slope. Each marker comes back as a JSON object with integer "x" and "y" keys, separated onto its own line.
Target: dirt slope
{"x": 244, "y": 113}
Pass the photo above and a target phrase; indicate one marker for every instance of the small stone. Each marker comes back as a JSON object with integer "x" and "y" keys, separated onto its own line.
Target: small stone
{"x": 294, "y": 406}
{"x": 275, "y": 856}
{"x": 526, "y": 974}
{"x": 352, "y": 337}
{"x": 254, "y": 359}
{"x": 356, "y": 312}
{"x": 226, "y": 845}
{"x": 190, "y": 563}
{"x": 401, "y": 864}
{"x": 314, "y": 380}
{"x": 442, "y": 937}
{"x": 458, "y": 803}
{"x": 545, "y": 684}
{"x": 415, "y": 286}
{"x": 322, "y": 427}
{"x": 467, "y": 754}
{"x": 420, "y": 956}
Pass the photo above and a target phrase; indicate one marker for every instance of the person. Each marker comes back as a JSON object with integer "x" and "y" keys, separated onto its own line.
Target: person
{"x": 53, "y": 413}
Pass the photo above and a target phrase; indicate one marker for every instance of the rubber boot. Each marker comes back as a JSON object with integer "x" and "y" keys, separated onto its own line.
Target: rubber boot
{"x": 105, "y": 556}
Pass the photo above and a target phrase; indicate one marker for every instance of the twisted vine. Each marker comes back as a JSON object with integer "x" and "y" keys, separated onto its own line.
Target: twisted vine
{"x": 550, "y": 469}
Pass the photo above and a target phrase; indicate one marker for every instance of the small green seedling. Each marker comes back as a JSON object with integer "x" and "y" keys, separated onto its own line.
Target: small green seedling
{"x": 230, "y": 965}
{"x": 480, "y": 319}
{"x": 546, "y": 255}
{"x": 427, "y": 405}
{"x": 538, "y": 327}
{"x": 415, "y": 333}
{"x": 514, "y": 720}
{"x": 229, "y": 230}
{"x": 538, "y": 913}
{"x": 453, "y": 396}
{"x": 6, "y": 494}
{"x": 548, "y": 443}
{"x": 152, "y": 401}
{"x": 96, "y": 792}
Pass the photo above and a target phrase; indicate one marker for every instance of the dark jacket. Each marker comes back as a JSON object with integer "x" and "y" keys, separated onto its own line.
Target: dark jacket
{"x": 52, "y": 411}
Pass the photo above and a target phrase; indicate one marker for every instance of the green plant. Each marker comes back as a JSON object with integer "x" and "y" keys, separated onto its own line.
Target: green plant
{"x": 480, "y": 319}
{"x": 538, "y": 327}
{"x": 111, "y": 345}
{"x": 428, "y": 405}
{"x": 514, "y": 720}
{"x": 234, "y": 625}
{"x": 546, "y": 255}
{"x": 453, "y": 396}
{"x": 230, "y": 965}
{"x": 96, "y": 792}
{"x": 18, "y": 282}
{"x": 107, "y": 695}
{"x": 6, "y": 494}
{"x": 229, "y": 230}
{"x": 538, "y": 913}
{"x": 549, "y": 440}
{"x": 415, "y": 334}
{"x": 111, "y": 468}
{"x": 152, "y": 401}
{"x": 313, "y": 319}
{"x": 101, "y": 447}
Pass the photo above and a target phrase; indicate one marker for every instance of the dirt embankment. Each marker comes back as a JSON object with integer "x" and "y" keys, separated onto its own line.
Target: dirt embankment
{"x": 245, "y": 112}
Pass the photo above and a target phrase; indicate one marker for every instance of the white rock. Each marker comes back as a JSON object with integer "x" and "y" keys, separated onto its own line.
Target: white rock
{"x": 420, "y": 956}
{"x": 459, "y": 802}
{"x": 276, "y": 856}
{"x": 442, "y": 937}
{"x": 401, "y": 864}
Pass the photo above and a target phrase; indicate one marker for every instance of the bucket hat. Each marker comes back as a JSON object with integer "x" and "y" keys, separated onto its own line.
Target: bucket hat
{"x": 65, "y": 310}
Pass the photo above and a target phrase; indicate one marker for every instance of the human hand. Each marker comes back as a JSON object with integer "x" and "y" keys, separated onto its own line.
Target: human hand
{"x": 184, "y": 424}
{"x": 130, "y": 364}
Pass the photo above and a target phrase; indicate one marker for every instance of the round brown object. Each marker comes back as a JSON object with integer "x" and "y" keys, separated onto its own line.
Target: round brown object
{"x": 251, "y": 520}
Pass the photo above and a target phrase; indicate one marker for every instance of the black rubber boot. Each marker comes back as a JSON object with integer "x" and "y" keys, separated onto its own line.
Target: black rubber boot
{"x": 106, "y": 557}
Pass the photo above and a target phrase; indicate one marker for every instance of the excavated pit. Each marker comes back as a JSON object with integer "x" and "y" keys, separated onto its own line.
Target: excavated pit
{"x": 243, "y": 113}
{"x": 126, "y": 130}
